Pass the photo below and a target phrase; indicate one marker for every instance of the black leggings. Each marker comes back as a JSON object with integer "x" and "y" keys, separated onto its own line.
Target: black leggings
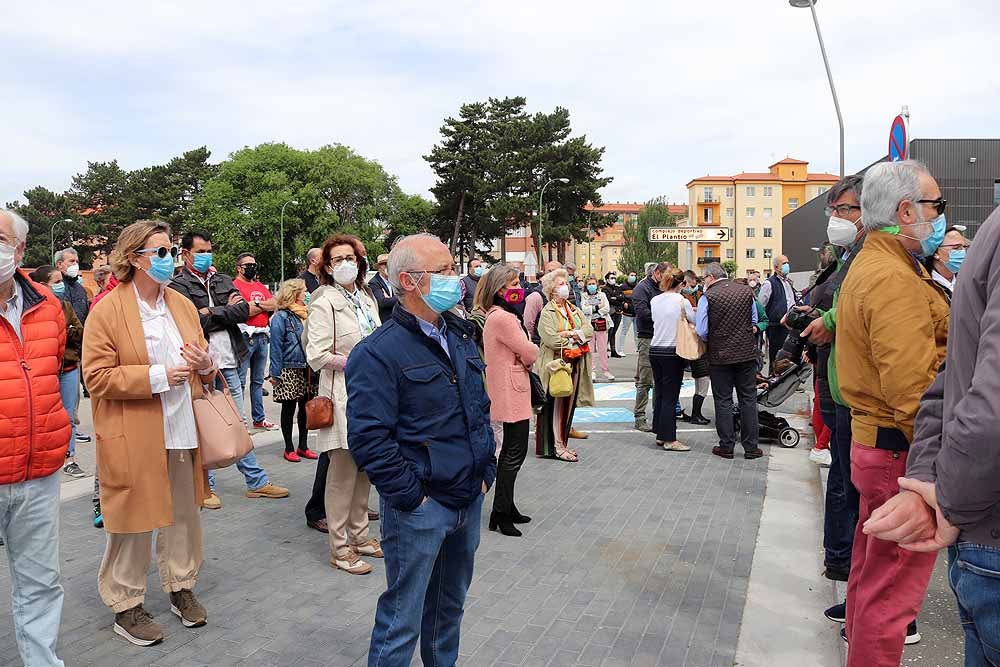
{"x": 287, "y": 412}
{"x": 515, "y": 448}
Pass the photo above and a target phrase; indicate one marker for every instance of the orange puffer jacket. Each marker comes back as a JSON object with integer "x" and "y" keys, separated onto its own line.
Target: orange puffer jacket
{"x": 34, "y": 427}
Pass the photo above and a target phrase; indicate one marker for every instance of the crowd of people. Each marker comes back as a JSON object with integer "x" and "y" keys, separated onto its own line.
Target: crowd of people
{"x": 434, "y": 379}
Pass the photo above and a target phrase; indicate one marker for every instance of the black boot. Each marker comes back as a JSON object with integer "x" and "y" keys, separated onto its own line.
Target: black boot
{"x": 696, "y": 416}
{"x": 517, "y": 517}
{"x": 502, "y": 522}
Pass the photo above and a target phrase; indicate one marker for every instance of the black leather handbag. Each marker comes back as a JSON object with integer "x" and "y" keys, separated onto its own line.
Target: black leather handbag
{"x": 537, "y": 390}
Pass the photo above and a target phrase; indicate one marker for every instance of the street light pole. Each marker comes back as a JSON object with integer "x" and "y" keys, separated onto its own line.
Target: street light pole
{"x": 540, "y": 195}
{"x": 811, "y": 4}
{"x": 52, "y": 238}
{"x": 281, "y": 239}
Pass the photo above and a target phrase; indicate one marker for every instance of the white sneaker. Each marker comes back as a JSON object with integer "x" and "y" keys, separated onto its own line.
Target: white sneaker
{"x": 609, "y": 377}
{"x": 820, "y": 457}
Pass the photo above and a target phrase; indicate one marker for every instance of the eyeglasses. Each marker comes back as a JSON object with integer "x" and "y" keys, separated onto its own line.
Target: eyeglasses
{"x": 841, "y": 209}
{"x": 341, "y": 258}
{"x": 938, "y": 203}
{"x": 161, "y": 252}
{"x": 249, "y": 265}
{"x": 963, "y": 246}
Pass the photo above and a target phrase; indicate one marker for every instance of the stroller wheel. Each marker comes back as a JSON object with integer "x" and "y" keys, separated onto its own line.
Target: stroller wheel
{"x": 788, "y": 437}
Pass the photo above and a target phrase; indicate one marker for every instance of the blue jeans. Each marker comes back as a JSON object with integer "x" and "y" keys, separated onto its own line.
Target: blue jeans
{"x": 841, "y": 511}
{"x": 974, "y": 575}
{"x": 256, "y": 363}
{"x": 429, "y": 557}
{"x": 69, "y": 391}
{"x": 252, "y": 472}
{"x": 29, "y": 525}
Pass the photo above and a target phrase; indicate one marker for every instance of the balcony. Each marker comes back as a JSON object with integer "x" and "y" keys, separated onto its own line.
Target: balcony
{"x": 709, "y": 201}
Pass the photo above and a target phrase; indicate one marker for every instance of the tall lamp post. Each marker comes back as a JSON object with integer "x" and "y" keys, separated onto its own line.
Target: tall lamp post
{"x": 811, "y": 4}
{"x": 540, "y": 195}
{"x": 52, "y": 238}
{"x": 281, "y": 240}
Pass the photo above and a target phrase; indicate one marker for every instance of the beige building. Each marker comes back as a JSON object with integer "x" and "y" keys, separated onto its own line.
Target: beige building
{"x": 751, "y": 205}
{"x": 600, "y": 255}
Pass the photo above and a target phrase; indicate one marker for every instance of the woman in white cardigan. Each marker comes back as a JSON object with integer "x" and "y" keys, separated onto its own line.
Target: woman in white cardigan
{"x": 341, "y": 313}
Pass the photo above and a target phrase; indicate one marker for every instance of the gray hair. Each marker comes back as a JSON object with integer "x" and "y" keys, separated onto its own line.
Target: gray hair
{"x": 653, "y": 267}
{"x": 403, "y": 258}
{"x": 887, "y": 184}
{"x": 716, "y": 271}
{"x": 19, "y": 223}
{"x": 852, "y": 183}
{"x": 549, "y": 281}
{"x": 61, "y": 254}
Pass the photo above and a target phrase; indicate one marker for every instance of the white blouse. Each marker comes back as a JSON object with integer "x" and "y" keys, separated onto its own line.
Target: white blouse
{"x": 163, "y": 345}
{"x": 666, "y": 310}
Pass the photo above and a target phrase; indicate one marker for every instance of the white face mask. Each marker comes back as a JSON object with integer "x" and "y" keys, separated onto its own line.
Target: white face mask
{"x": 612, "y": 281}
{"x": 73, "y": 270}
{"x": 841, "y": 232}
{"x": 345, "y": 273}
{"x": 562, "y": 291}
{"x": 7, "y": 263}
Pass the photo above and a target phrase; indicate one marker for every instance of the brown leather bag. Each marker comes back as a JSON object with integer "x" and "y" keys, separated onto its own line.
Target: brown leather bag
{"x": 222, "y": 435}
{"x": 319, "y": 410}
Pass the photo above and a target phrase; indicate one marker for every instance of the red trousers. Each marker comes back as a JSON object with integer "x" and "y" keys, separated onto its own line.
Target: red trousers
{"x": 887, "y": 584}
{"x": 819, "y": 428}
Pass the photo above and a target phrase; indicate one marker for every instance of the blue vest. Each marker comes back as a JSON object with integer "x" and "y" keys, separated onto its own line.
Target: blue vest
{"x": 778, "y": 305}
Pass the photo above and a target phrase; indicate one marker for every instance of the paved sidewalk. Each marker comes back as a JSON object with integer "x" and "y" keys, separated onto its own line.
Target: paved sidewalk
{"x": 636, "y": 556}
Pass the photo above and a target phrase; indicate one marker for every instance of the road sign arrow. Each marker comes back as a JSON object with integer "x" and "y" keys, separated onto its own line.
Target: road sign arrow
{"x": 722, "y": 234}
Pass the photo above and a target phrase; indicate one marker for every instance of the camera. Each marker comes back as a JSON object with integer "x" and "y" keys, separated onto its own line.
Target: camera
{"x": 798, "y": 320}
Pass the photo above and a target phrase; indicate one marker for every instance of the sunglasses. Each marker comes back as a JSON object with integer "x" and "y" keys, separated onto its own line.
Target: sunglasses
{"x": 160, "y": 252}
{"x": 938, "y": 203}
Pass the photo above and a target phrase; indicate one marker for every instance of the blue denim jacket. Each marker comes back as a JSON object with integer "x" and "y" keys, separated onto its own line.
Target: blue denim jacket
{"x": 417, "y": 421}
{"x": 286, "y": 342}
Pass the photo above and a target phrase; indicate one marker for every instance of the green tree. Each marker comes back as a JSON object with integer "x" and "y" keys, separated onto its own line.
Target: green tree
{"x": 730, "y": 267}
{"x": 43, "y": 209}
{"x": 638, "y": 249}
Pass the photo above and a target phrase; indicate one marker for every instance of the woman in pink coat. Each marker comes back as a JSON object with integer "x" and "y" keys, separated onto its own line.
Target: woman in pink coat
{"x": 509, "y": 356}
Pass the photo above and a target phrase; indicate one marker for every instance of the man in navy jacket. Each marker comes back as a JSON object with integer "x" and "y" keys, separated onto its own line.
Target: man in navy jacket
{"x": 418, "y": 425}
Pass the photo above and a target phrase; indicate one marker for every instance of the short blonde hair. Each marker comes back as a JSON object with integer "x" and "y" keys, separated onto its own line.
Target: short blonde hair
{"x": 289, "y": 292}
{"x": 549, "y": 281}
{"x": 131, "y": 239}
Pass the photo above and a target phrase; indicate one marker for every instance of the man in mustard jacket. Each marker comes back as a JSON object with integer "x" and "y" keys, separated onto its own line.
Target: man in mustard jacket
{"x": 892, "y": 328}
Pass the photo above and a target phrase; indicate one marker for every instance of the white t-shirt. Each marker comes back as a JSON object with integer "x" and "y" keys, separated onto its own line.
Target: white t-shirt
{"x": 666, "y": 310}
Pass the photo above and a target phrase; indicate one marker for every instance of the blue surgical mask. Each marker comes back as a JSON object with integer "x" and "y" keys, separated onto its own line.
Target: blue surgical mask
{"x": 786, "y": 268}
{"x": 60, "y": 288}
{"x": 444, "y": 293}
{"x": 478, "y": 272}
{"x": 955, "y": 260}
{"x": 929, "y": 245}
{"x": 592, "y": 289}
{"x": 161, "y": 269}
{"x": 308, "y": 298}
{"x": 202, "y": 262}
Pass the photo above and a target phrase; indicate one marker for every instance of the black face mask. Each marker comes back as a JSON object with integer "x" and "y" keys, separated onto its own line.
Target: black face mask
{"x": 250, "y": 271}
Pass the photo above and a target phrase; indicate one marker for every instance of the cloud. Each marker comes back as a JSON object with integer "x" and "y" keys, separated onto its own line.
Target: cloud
{"x": 673, "y": 90}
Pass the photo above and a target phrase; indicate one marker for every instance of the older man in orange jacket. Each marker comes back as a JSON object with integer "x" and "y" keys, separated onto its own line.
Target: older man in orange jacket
{"x": 34, "y": 438}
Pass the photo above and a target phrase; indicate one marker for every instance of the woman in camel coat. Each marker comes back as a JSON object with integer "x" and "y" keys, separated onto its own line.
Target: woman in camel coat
{"x": 341, "y": 313}
{"x": 145, "y": 358}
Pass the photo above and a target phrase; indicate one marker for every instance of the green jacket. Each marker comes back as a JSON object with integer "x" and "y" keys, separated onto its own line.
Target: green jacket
{"x": 762, "y": 320}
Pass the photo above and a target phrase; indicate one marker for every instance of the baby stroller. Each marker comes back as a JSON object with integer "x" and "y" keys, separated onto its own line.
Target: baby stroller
{"x": 772, "y": 428}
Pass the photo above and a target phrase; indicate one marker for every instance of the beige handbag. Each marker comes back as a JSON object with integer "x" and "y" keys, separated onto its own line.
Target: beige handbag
{"x": 689, "y": 346}
{"x": 222, "y": 435}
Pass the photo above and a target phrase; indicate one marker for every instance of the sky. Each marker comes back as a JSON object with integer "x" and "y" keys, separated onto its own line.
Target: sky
{"x": 673, "y": 90}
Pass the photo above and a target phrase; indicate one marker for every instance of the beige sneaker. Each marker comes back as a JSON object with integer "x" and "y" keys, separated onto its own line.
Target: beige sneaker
{"x": 268, "y": 491}
{"x": 370, "y": 548}
{"x": 349, "y": 561}
{"x": 675, "y": 446}
{"x": 187, "y": 608}
{"x": 213, "y": 502}
{"x": 138, "y": 627}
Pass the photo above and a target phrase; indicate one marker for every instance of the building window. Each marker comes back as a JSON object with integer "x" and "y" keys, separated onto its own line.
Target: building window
{"x": 730, "y": 192}
{"x": 751, "y": 211}
{"x": 767, "y": 253}
{"x": 751, "y": 232}
{"x": 822, "y": 190}
{"x": 709, "y": 252}
{"x": 751, "y": 253}
{"x": 708, "y": 216}
{"x": 707, "y": 194}
{"x": 768, "y": 191}
{"x": 768, "y": 232}
{"x": 751, "y": 191}
{"x": 730, "y": 253}
{"x": 793, "y": 202}
{"x": 730, "y": 212}
{"x": 768, "y": 212}
{"x": 518, "y": 233}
